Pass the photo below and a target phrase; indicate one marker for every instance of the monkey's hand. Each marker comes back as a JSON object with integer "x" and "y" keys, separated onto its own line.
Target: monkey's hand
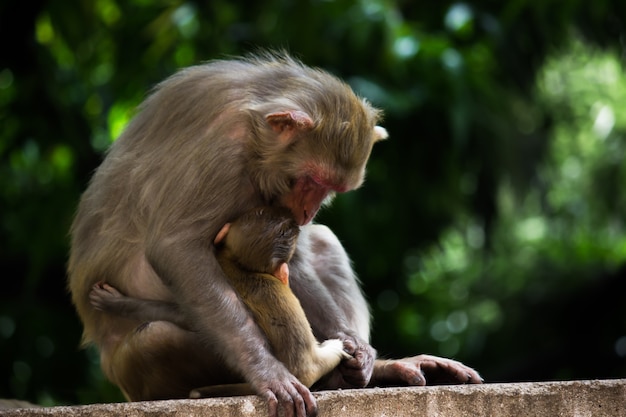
{"x": 356, "y": 371}
{"x": 422, "y": 370}
{"x": 284, "y": 392}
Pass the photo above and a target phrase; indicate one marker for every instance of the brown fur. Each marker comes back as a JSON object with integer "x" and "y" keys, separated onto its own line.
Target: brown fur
{"x": 203, "y": 149}
{"x": 210, "y": 143}
{"x": 255, "y": 246}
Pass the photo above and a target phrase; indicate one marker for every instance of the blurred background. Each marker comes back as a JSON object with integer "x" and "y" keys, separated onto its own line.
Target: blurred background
{"x": 492, "y": 226}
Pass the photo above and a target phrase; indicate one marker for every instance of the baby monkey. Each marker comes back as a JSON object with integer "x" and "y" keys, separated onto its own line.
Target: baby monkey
{"x": 253, "y": 252}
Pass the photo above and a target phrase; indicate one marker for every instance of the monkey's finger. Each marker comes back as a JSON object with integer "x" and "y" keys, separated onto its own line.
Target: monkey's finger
{"x": 272, "y": 403}
{"x": 399, "y": 371}
{"x": 298, "y": 408}
{"x": 412, "y": 375}
{"x": 279, "y": 401}
{"x": 363, "y": 357}
{"x": 286, "y": 404}
{"x": 290, "y": 399}
{"x": 366, "y": 355}
{"x": 357, "y": 375}
{"x": 309, "y": 402}
{"x": 351, "y": 363}
{"x": 349, "y": 346}
{"x": 356, "y": 365}
{"x": 451, "y": 368}
{"x": 290, "y": 403}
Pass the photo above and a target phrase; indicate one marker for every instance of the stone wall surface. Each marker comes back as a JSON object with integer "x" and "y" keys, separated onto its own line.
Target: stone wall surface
{"x": 597, "y": 398}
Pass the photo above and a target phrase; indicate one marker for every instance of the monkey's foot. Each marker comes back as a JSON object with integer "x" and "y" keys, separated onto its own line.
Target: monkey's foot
{"x": 422, "y": 370}
{"x": 102, "y": 295}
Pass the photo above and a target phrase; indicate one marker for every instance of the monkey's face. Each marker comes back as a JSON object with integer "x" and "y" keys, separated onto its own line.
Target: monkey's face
{"x": 328, "y": 159}
{"x": 312, "y": 138}
{"x": 305, "y": 198}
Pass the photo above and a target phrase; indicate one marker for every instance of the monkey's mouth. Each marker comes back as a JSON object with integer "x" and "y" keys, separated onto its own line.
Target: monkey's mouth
{"x": 307, "y": 216}
{"x": 305, "y": 199}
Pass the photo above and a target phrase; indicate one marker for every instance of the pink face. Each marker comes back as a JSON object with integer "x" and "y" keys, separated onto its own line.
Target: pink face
{"x": 306, "y": 197}
{"x": 317, "y": 181}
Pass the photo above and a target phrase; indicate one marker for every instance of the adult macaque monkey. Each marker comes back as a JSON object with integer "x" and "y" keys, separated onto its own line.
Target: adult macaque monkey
{"x": 253, "y": 252}
{"x": 210, "y": 143}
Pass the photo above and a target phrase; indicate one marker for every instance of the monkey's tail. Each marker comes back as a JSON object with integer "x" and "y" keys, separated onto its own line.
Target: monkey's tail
{"x": 227, "y": 390}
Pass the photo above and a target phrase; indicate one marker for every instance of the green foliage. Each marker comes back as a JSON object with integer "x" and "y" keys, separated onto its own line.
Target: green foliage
{"x": 555, "y": 237}
{"x": 491, "y": 227}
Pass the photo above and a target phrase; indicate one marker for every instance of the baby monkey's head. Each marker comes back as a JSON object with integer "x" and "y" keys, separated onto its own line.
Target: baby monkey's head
{"x": 263, "y": 238}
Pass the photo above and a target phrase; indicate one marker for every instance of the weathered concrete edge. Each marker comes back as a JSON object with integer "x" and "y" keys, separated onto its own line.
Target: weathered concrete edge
{"x": 597, "y": 398}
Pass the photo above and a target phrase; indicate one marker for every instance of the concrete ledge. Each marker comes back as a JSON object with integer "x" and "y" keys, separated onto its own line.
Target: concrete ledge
{"x": 546, "y": 399}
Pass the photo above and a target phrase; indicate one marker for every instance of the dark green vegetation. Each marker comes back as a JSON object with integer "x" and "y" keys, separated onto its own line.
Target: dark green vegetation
{"x": 492, "y": 227}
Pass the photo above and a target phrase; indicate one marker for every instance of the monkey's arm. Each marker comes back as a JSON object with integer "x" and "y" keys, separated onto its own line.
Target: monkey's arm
{"x": 220, "y": 318}
{"x": 109, "y": 300}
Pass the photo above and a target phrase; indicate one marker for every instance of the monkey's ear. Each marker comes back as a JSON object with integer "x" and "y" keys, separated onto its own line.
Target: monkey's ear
{"x": 221, "y": 234}
{"x": 288, "y": 123}
{"x": 380, "y": 133}
{"x": 282, "y": 273}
